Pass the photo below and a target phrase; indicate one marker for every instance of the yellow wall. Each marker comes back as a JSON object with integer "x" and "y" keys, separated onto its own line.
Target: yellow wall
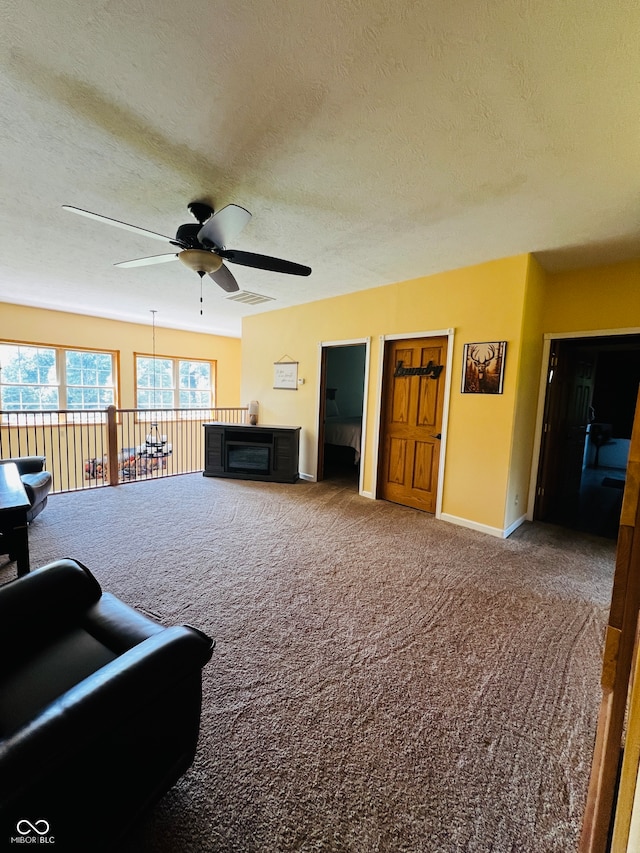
{"x": 482, "y": 303}
{"x": 528, "y": 379}
{"x": 600, "y": 298}
{"x": 20, "y": 323}
{"x": 489, "y": 439}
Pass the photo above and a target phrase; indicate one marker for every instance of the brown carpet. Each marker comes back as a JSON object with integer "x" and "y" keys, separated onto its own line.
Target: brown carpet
{"x": 381, "y": 682}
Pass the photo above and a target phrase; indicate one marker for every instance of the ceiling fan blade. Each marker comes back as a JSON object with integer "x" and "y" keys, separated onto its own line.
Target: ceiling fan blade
{"x": 223, "y": 226}
{"x": 225, "y": 279}
{"x": 117, "y": 223}
{"x": 145, "y": 262}
{"x": 264, "y": 262}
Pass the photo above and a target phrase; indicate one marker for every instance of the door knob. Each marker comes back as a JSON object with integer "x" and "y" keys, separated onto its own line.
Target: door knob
{"x": 438, "y": 435}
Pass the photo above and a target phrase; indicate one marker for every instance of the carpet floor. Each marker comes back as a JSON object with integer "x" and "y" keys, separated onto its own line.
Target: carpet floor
{"x": 382, "y": 681}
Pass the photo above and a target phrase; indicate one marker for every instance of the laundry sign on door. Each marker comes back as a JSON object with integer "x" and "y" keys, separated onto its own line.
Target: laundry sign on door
{"x": 431, "y": 369}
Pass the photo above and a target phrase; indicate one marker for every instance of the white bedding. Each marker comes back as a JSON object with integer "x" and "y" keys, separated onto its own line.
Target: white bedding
{"x": 344, "y": 431}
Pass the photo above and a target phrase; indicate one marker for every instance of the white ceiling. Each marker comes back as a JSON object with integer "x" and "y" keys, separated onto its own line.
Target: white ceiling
{"x": 375, "y": 141}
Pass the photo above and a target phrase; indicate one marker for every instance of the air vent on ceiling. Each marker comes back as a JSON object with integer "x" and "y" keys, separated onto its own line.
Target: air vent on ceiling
{"x": 248, "y": 298}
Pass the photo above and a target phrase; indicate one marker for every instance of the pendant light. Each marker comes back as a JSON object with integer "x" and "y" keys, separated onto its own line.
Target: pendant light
{"x": 156, "y": 446}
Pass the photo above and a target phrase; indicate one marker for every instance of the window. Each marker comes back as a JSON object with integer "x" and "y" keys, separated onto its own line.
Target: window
{"x": 194, "y": 385}
{"x": 89, "y": 378}
{"x": 35, "y": 378}
{"x": 155, "y": 383}
{"x": 172, "y": 383}
{"x": 28, "y": 378}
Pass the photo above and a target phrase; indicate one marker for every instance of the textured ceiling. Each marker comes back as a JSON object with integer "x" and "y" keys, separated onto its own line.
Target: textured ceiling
{"x": 373, "y": 141}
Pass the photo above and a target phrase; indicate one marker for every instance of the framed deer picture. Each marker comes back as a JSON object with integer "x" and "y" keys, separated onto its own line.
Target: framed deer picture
{"x": 483, "y": 368}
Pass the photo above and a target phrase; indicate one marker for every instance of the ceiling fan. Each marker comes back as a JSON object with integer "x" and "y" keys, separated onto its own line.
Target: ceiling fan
{"x": 202, "y": 246}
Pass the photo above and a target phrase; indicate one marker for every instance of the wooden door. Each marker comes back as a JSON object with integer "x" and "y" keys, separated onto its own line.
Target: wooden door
{"x": 549, "y": 446}
{"x": 322, "y": 413}
{"x": 580, "y": 393}
{"x": 412, "y": 407}
{"x": 569, "y": 393}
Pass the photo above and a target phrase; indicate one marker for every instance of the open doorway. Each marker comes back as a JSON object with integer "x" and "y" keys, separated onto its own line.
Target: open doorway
{"x": 592, "y": 385}
{"x": 342, "y": 401}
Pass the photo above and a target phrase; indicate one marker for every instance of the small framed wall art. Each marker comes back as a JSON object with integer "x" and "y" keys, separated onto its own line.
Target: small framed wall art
{"x": 483, "y": 367}
{"x": 285, "y": 375}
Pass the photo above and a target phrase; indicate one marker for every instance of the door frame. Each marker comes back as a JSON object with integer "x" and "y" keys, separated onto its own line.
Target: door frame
{"x": 322, "y": 346}
{"x": 542, "y": 396}
{"x": 448, "y": 373}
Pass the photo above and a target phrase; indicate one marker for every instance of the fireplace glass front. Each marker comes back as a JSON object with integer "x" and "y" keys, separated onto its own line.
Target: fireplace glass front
{"x": 247, "y": 459}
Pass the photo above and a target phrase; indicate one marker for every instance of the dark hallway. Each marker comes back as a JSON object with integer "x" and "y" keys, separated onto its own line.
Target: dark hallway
{"x": 596, "y": 507}
{"x": 589, "y": 411}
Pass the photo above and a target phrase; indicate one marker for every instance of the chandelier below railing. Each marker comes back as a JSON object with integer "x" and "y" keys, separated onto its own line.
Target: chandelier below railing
{"x": 156, "y": 448}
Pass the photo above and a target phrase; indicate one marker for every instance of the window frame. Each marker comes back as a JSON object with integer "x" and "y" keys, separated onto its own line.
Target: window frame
{"x": 65, "y": 369}
{"x": 64, "y": 413}
{"x": 178, "y": 412}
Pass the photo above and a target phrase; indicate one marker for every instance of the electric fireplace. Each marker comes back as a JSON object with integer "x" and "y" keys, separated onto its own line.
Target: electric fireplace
{"x": 251, "y": 452}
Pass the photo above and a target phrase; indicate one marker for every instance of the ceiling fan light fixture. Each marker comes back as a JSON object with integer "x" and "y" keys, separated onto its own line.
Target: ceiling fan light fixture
{"x": 200, "y": 260}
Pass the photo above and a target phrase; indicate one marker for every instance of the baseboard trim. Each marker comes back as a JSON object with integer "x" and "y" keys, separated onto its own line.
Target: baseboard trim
{"x": 367, "y": 495}
{"x": 516, "y": 524}
{"x": 483, "y": 528}
{"x": 308, "y": 477}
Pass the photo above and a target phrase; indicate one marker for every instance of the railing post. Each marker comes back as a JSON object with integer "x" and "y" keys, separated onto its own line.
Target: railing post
{"x": 112, "y": 445}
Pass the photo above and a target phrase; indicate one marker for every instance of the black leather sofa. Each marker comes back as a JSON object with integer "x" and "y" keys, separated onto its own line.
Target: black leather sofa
{"x": 36, "y": 481}
{"x": 99, "y": 709}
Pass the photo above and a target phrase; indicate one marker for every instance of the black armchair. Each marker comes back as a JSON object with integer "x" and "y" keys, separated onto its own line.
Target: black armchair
{"x": 36, "y": 481}
{"x": 99, "y": 708}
